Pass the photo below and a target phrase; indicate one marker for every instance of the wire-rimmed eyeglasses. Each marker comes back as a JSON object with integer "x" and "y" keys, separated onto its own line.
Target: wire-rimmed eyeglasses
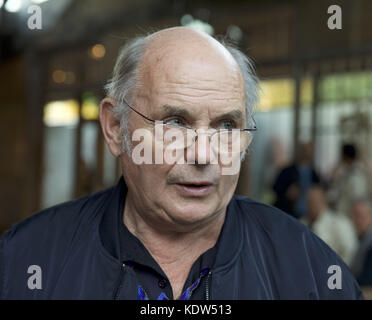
{"x": 176, "y": 136}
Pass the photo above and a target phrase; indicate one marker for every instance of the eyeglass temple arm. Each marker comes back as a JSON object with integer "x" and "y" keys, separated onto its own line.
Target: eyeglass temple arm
{"x": 139, "y": 113}
{"x": 254, "y": 125}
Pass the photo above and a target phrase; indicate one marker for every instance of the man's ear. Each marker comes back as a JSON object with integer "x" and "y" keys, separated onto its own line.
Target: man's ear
{"x": 110, "y": 126}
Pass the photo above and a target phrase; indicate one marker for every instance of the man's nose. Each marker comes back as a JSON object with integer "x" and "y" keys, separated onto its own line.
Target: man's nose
{"x": 202, "y": 149}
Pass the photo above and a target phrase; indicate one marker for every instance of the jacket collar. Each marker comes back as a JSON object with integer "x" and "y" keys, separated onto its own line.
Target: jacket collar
{"x": 229, "y": 242}
{"x": 109, "y": 229}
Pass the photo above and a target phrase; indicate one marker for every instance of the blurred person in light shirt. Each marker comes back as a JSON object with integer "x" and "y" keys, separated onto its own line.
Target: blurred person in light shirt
{"x": 334, "y": 229}
{"x": 349, "y": 181}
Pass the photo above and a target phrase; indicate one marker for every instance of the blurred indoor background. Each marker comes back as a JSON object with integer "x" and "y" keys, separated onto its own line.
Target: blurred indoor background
{"x": 316, "y": 87}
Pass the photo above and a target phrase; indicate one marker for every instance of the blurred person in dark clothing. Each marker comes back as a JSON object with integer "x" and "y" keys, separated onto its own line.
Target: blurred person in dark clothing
{"x": 335, "y": 230}
{"x": 362, "y": 262}
{"x": 293, "y": 182}
{"x": 349, "y": 181}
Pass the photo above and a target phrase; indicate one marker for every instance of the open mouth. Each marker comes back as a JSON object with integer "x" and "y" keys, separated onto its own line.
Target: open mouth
{"x": 192, "y": 185}
{"x": 195, "y": 189}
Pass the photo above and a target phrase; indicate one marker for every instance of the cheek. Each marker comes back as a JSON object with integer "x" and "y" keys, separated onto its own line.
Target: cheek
{"x": 227, "y": 185}
{"x": 147, "y": 179}
{"x": 152, "y": 178}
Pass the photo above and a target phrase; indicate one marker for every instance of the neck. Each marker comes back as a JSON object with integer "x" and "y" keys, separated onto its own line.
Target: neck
{"x": 170, "y": 245}
{"x": 173, "y": 250}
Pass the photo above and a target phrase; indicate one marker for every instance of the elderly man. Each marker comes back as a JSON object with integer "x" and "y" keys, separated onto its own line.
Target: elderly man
{"x": 171, "y": 228}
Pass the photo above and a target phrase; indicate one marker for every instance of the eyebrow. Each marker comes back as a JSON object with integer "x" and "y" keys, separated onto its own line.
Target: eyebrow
{"x": 234, "y": 114}
{"x": 176, "y": 111}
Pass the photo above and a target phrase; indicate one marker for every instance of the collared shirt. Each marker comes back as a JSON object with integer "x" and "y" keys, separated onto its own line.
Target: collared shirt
{"x": 151, "y": 278}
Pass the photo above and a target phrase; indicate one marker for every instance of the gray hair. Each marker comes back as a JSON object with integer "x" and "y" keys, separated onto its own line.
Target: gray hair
{"x": 123, "y": 83}
{"x": 125, "y": 80}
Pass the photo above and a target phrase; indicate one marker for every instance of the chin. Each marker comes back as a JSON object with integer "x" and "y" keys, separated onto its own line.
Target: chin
{"x": 188, "y": 216}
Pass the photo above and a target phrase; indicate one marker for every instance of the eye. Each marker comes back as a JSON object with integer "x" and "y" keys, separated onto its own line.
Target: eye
{"x": 175, "y": 122}
{"x": 227, "y": 124}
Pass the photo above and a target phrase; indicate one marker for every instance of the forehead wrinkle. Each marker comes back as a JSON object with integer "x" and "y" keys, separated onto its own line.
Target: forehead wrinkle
{"x": 198, "y": 97}
{"x": 204, "y": 84}
{"x": 197, "y": 88}
{"x": 190, "y": 70}
{"x": 189, "y": 77}
{"x": 180, "y": 110}
{"x": 215, "y": 95}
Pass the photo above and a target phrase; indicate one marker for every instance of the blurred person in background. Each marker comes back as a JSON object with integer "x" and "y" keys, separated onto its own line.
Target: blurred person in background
{"x": 349, "y": 181}
{"x": 293, "y": 182}
{"x": 362, "y": 262}
{"x": 275, "y": 158}
{"x": 335, "y": 230}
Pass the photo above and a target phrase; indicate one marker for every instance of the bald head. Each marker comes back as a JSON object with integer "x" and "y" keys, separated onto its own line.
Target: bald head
{"x": 194, "y": 62}
{"x": 180, "y": 43}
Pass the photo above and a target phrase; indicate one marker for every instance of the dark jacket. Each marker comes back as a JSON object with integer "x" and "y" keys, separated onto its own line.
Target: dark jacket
{"x": 263, "y": 254}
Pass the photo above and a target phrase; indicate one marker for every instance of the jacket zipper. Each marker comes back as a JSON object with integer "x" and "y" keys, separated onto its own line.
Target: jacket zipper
{"x": 207, "y": 285}
{"x": 120, "y": 284}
